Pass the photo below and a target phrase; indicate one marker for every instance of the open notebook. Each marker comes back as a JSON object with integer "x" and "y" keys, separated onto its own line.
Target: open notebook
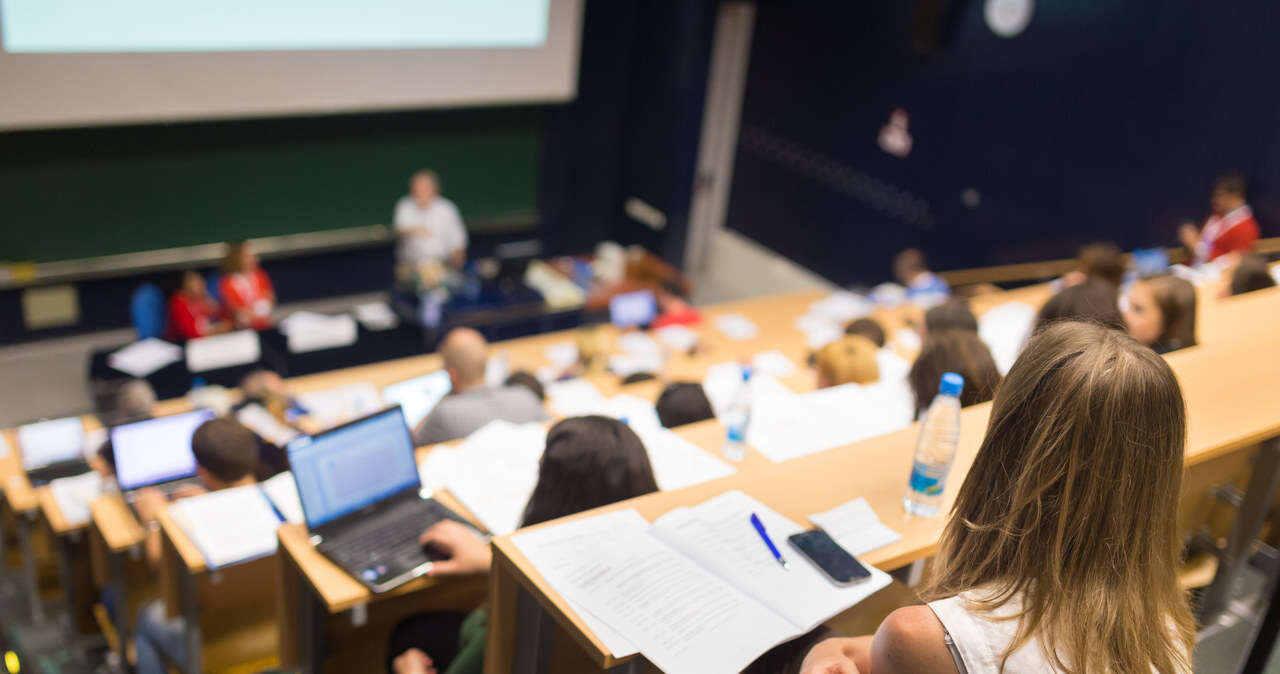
{"x": 696, "y": 591}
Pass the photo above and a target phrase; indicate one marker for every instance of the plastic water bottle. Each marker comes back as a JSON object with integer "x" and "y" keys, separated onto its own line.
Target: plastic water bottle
{"x": 736, "y": 419}
{"x": 935, "y": 449}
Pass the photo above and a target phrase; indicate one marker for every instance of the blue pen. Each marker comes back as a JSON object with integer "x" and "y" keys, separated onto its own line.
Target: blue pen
{"x": 755, "y": 522}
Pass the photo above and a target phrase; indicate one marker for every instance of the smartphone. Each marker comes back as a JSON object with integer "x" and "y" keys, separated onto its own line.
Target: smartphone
{"x": 837, "y": 564}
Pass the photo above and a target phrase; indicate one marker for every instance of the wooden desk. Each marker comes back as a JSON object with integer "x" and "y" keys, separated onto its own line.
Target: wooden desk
{"x": 72, "y": 549}
{"x": 1231, "y": 407}
{"x": 21, "y": 510}
{"x": 118, "y": 561}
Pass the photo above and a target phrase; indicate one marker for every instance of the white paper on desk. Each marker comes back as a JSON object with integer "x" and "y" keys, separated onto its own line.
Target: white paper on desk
{"x": 786, "y": 428}
{"x": 229, "y": 525}
{"x": 282, "y": 490}
{"x": 638, "y": 413}
{"x": 773, "y": 363}
{"x": 562, "y": 354}
{"x": 219, "y": 351}
{"x": 892, "y": 366}
{"x": 494, "y": 471}
{"x": 682, "y": 617}
{"x": 818, "y": 330}
{"x": 306, "y": 331}
{"x": 855, "y": 527}
{"x": 377, "y": 316}
{"x": 574, "y": 397}
{"x": 907, "y": 339}
{"x": 638, "y": 343}
{"x": 722, "y": 382}
{"x": 256, "y": 418}
{"x": 678, "y": 463}
{"x": 737, "y": 327}
{"x": 1005, "y": 330}
{"x": 842, "y": 306}
{"x": 677, "y": 337}
{"x": 336, "y": 406}
{"x": 718, "y": 536}
{"x": 74, "y": 494}
{"x": 617, "y": 644}
{"x": 626, "y": 364}
{"x": 46, "y": 442}
{"x": 140, "y": 359}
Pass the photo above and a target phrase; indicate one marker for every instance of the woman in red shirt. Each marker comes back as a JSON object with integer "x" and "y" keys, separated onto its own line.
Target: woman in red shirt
{"x": 246, "y": 290}
{"x": 192, "y": 313}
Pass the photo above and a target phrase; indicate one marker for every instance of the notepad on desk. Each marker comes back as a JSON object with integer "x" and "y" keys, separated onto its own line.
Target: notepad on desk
{"x": 74, "y": 494}
{"x": 144, "y": 357}
{"x": 696, "y": 591}
{"x": 229, "y": 526}
{"x": 855, "y": 527}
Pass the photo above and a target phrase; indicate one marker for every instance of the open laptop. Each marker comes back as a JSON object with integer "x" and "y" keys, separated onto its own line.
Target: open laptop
{"x": 418, "y": 396}
{"x": 156, "y": 452}
{"x": 360, "y": 493}
{"x": 52, "y": 449}
{"x": 634, "y": 309}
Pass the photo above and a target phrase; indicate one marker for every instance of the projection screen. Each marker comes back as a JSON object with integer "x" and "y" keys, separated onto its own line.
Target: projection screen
{"x": 91, "y": 62}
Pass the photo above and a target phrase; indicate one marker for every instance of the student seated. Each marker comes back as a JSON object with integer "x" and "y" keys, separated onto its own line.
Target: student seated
{"x": 1161, "y": 313}
{"x": 1098, "y": 261}
{"x": 1251, "y": 274}
{"x": 527, "y": 380}
{"x": 958, "y": 351}
{"x": 675, "y": 309}
{"x": 471, "y": 404}
{"x": 848, "y": 360}
{"x": 588, "y": 462}
{"x": 226, "y": 455}
{"x": 245, "y": 288}
{"x": 912, "y": 271}
{"x": 952, "y": 314}
{"x": 1093, "y": 301}
{"x": 134, "y": 400}
{"x": 1055, "y": 558}
{"x": 192, "y": 313}
{"x": 683, "y": 403}
{"x": 869, "y": 328}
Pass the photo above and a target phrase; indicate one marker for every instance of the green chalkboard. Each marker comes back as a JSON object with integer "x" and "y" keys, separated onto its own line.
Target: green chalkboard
{"x": 67, "y": 194}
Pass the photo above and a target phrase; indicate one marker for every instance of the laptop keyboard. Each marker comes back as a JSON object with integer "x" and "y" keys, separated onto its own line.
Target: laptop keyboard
{"x": 391, "y": 538}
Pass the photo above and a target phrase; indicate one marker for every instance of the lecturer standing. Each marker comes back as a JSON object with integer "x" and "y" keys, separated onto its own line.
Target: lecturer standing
{"x": 428, "y": 226}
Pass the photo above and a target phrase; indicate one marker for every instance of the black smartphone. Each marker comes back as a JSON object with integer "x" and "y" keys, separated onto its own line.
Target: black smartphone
{"x": 837, "y": 564}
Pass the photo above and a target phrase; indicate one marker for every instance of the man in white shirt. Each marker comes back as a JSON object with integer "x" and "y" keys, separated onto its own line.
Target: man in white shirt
{"x": 428, "y": 225}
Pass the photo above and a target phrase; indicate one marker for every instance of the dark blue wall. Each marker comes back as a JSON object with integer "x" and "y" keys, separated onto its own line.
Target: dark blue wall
{"x": 1104, "y": 120}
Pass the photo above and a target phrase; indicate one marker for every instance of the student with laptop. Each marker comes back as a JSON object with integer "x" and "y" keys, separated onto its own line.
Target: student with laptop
{"x": 1062, "y": 550}
{"x": 472, "y": 403}
{"x": 588, "y": 462}
{"x": 226, "y": 454}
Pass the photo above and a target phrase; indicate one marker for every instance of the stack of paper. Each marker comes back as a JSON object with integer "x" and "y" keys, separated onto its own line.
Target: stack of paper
{"x": 256, "y": 418}
{"x": 737, "y": 327}
{"x": 307, "y": 331}
{"x": 219, "y": 351}
{"x": 74, "y": 494}
{"x": 140, "y": 359}
{"x": 229, "y": 525}
{"x": 697, "y": 591}
{"x": 377, "y": 316}
{"x": 1005, "y": 329}
{"x": 337, "y": 406}
{"x": 855, "y": 527}
{"x": 282, "y": 490}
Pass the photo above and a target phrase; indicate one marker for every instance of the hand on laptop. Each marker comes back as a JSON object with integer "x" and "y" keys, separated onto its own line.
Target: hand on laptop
{"x": 413, "y": 661}
{"x": 148, "y": 503}
{"x": 468, "y": 554}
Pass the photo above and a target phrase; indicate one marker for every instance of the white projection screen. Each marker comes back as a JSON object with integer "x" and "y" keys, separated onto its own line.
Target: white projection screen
{"x": 98, "y": 62}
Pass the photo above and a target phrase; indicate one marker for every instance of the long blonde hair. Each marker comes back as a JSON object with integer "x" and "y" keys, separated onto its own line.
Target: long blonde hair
{"x": 1071, "y": 506}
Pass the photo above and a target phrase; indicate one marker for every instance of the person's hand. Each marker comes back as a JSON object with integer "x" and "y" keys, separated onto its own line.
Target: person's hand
{"x": 189, "y": 490}
{"x": 1073, "y": 278}
{"x": 149, "y": 502}
{"x": 413, "y": 661}
{"x": 828, "y": 657}
{"x": 1189, "y": 235}
{"x": 467, "y": 553}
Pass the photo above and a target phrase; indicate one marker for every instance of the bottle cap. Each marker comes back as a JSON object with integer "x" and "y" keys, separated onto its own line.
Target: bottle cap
{"x": 746, "y": 372}
{"x": 952, "y": 384}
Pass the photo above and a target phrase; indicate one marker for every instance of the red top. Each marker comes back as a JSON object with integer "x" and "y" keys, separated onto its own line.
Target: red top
{"x": 686, "y": 316}
{"x": 249, "y": 298}
{"x": 1235, "y": 231}
{"x": 190, "y": 318}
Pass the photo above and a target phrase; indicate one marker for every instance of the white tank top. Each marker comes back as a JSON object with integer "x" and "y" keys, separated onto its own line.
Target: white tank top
{"x": 978, "y": 641}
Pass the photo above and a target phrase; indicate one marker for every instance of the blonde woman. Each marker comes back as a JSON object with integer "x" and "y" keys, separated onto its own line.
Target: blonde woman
{"x": 848, "y": 360}
{"x": 1061, "y": 553}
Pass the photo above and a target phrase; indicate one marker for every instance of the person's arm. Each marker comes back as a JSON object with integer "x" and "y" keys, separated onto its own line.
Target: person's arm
{"x": 459, "y": 255}
{"x": 1189, "y": 235}
{"x": 910, "y": 641}
{"x": 466, "y": 553}
{"x": 148, "y": 504}
{"x": 268, "y": 288}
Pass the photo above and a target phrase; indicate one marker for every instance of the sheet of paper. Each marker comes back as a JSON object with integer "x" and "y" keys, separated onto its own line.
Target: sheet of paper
{"x": 677, "y": 337}
{"x": 773, "y": 363}
{"x": 680, "y": 616}
{"x": 496, "y": 370}
{"x": 574, "y": 397}
{"x": 229, "y": 525}
{"x": 678, "y": 463}
{"x": 617, "y": 644}
{"x": 638, "y": 343}
{"x": 907, "y": 339}
{"x": 219, "y": 351}
{"x": 282, "y": 490}
{"x": 638, "y": 413}
{"x": 818, "y": 330}
{"x": 785, "y": 428}
{"x": 140, "y": 359}
{"x": 737, "y": 327}
{"x": 722, "y": 382}
{"x": 1005, "y": 329}
{"x": 842, "y": 307}
{"x": 626, "y": 364}
{"x": 892, "y": 366}
{"x": 46, "y": 442}
{"x": 307, "y": 331}
{"x": 855, "y": 527}
{"x": 74, "y": 494}
{"x": 562, "y": 354}
{"x": 377, "y": 316}
{"x": 256, "y": 418}
{"x": 718, "y": 535}
{"x": 336, "y": 406}
{"x": 494, "y": 471}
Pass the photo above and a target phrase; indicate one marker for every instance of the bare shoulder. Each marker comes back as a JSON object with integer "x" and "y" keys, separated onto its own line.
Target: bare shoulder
{"x": 911, "y": 639}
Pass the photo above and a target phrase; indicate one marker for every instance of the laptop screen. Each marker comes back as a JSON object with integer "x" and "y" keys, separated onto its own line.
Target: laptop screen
{"x": 345, "y": 469}
{"x": 418, "y": 396}
{"x": 631, "y": 309}
{"x": 49, "y": 442}
{"x": 156, "y": 450}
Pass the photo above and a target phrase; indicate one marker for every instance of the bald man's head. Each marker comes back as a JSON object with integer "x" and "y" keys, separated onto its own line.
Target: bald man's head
{"x": 465, "y": 352}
